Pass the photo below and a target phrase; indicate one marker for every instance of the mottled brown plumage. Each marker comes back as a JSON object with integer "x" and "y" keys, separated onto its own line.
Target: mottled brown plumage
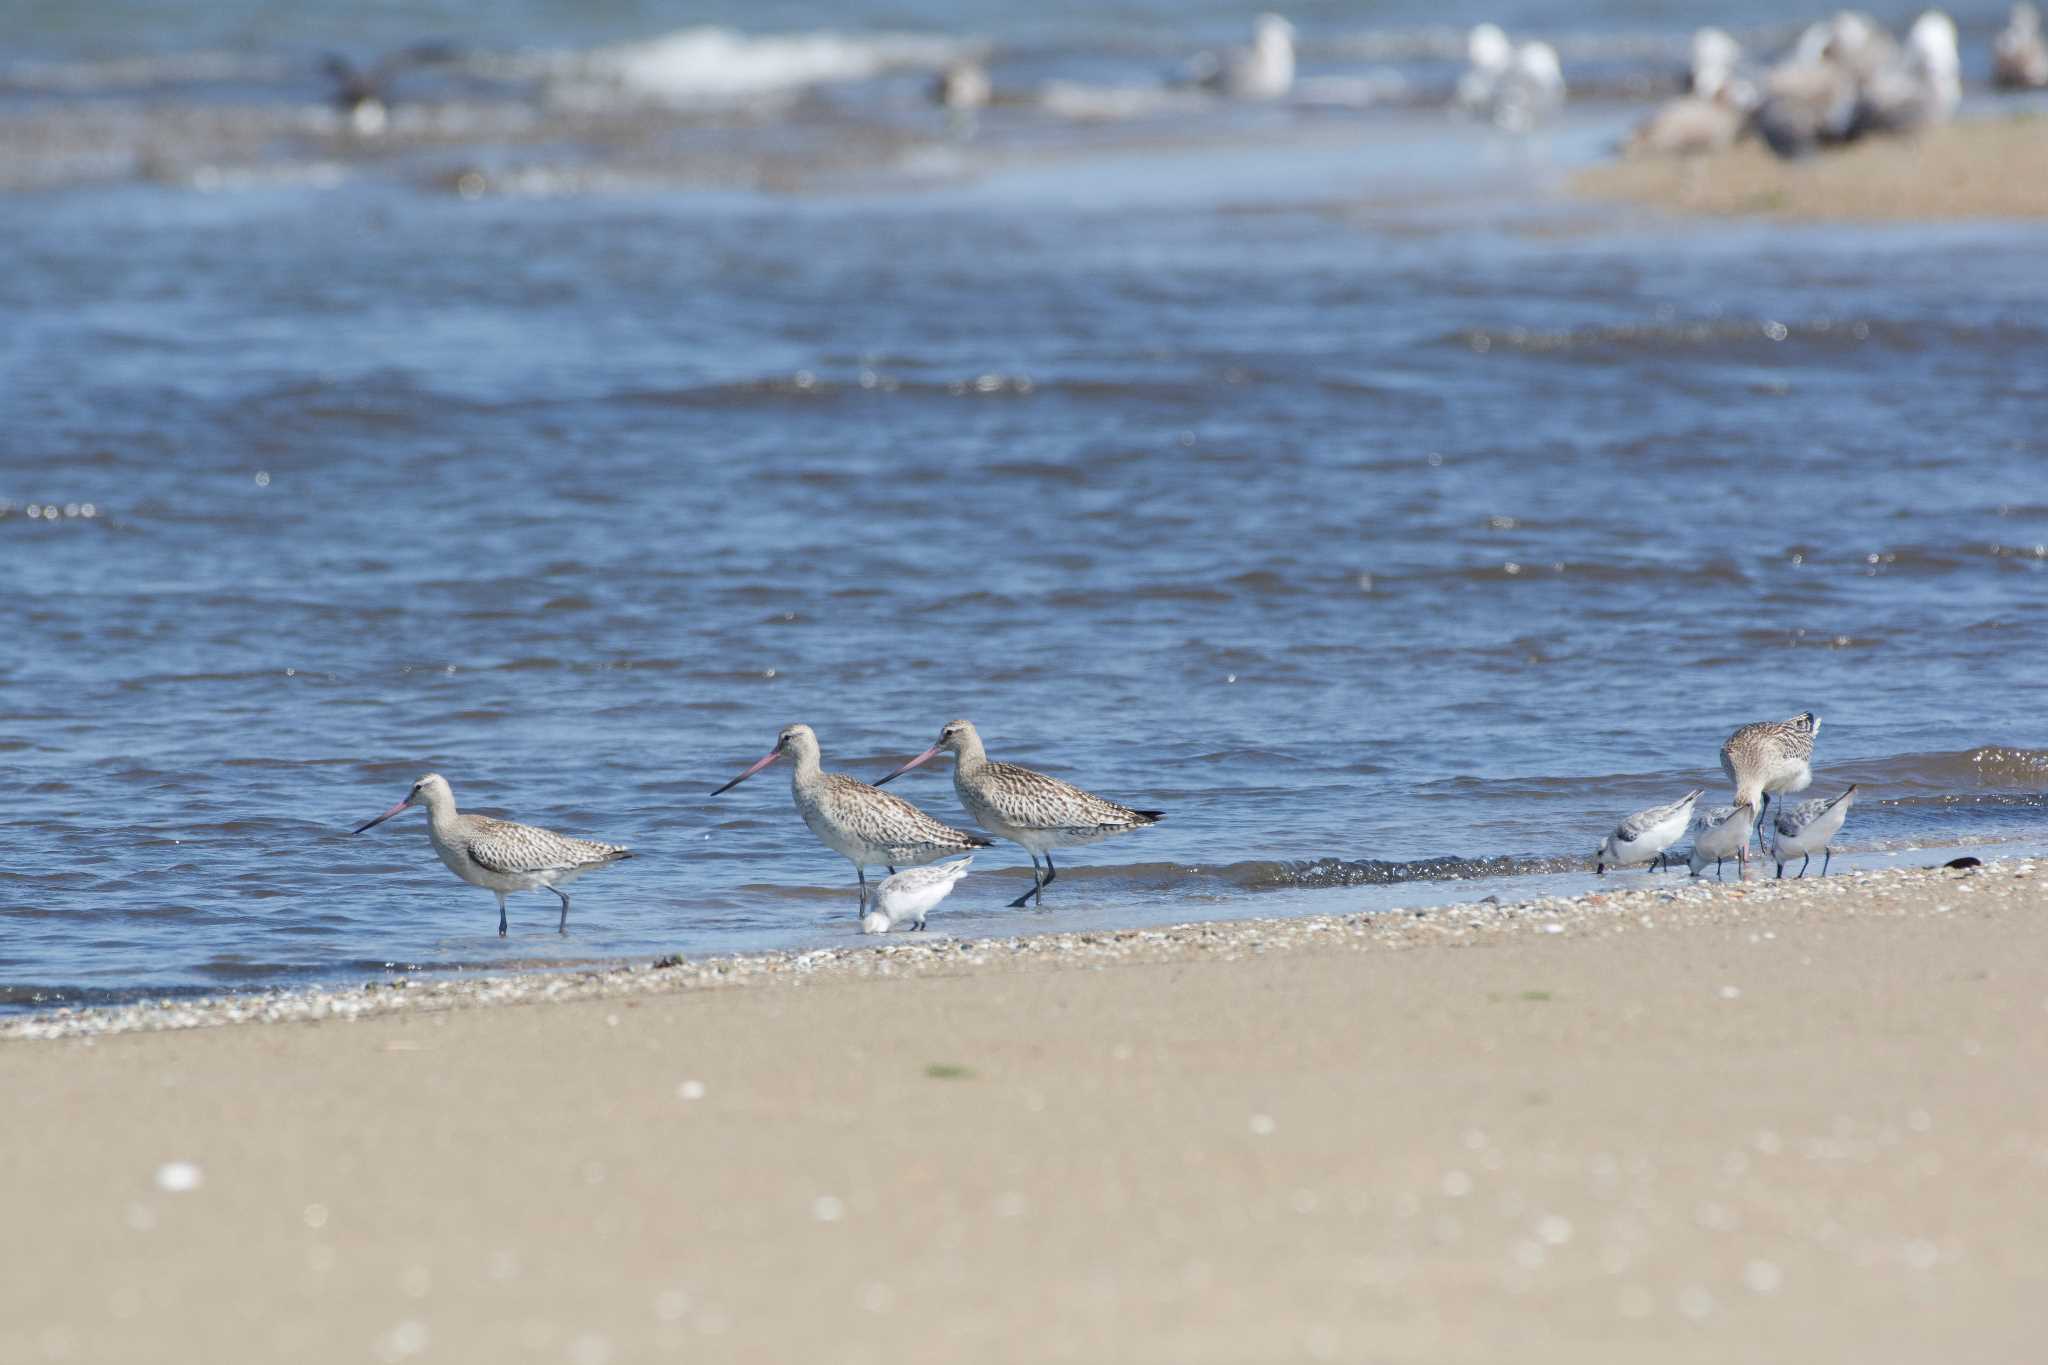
{"x": 1030, "y": 808}
{"x": 1769, "y": 757}
{"x": 500, "y": 855}
{"x": 862, "y": 825}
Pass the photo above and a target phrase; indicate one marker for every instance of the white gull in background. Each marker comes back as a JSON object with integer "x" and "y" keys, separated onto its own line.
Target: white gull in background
{"x": 1513, "y": 86}
{"x": 1809, "y": 827}
{"x": 1645, "y": 836}
{"x": 1263, "y": 71}
{"x": 2019, "y": 55}
{"x": 962, "y": 86}
{"x": 1919, "y": 87}
{"x": 907, "y": 897}
{"x": 1810, "y": 97}
{"x": 1715, "y": 112}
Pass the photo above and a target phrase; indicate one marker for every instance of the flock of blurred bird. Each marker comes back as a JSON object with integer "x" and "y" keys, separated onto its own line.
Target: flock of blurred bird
{"x": 1843, "y": 78}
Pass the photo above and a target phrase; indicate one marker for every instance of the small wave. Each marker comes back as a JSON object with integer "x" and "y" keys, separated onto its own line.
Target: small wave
{"x": 1989, "y": 767}
{"x": 1742, "y": 337}
{"x": 718, "y": 65}
{"x": 1323, "y": 873}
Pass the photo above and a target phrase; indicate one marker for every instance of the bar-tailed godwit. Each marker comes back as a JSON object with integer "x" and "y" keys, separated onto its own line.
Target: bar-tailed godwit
{"x": 908, "y": 896}
{"x": 1800, "y": 830}
{"x": 1042, "y": 813}
{"x": 1770, "y": 756}
{"x": 1720, "y": 834}
{"x": 498, "y": 855}
{"x": 862, "y": 825}
{"x": 1644, "y": 836}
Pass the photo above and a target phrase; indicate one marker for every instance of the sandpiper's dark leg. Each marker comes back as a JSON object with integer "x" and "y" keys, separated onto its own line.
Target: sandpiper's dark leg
{"x": 1827, "y": 856}
{"x": 501, "y": 914}
{"x": 1804, "y": 865}
{"x": 1018, "y": 904}
{"x": 1781, "y": 869}
{"x": 1717, "y": 870}
{"x": 892, "y": 871}
{"x": 563, "y": 927}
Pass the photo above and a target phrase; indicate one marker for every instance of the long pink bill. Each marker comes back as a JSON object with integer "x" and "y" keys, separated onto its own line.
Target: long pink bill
{"x": 749, "y": 773}
{"x": 382, "y": 818}
{"x": 921, "y": 758}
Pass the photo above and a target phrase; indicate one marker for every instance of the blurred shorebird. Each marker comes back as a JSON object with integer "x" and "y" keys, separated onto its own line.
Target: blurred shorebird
{"x": 864, "y": 826}
{"x": 1810, "y": 825}
{"x": 1714, "y": 112}
{"x": 1723, "y": 833}
{"x": 2019, "y": 56}
{"x": 962, "y": 86}
{"x": 498, "y": 855}
{"x": 1029, "y": 808}
{"x": 910, "y": 895}
{"x": 363, "y": 93}
{"x": 1513, "y": 86}
{"x": 1645, "y": 836}
{"x": 1768, "y": 757}
{"x": 1263, "y": 71}
{"x": 1919, "y": 87}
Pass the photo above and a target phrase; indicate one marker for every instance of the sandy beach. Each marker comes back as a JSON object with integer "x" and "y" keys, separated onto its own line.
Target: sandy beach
{"x": 1965, "y": 170}
{"x": 1788, "y": 1120}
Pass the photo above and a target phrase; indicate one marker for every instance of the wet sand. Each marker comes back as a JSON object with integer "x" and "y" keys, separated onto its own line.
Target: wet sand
{"x": 1792, "y": 1120}
{"x": 1964, "y": 170}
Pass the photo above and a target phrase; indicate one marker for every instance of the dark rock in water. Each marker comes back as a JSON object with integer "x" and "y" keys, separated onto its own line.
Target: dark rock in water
{"x": 1964, "y": 862}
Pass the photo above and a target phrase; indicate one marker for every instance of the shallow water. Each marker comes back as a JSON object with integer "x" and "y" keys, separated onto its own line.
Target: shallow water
{"x": 1333, "y": 483}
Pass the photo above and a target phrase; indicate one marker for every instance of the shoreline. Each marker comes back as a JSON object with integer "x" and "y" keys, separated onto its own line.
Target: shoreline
{"x": 898, "y": 956}
{"x": 1782, "y": 1120}
{"x": 1959, "y": 172}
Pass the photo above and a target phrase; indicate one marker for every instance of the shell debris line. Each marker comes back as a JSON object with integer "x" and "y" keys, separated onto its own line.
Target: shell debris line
{"x": 1759, "y": 904}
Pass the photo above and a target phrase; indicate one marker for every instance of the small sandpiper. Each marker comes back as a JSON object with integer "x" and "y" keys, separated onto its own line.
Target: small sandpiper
{"x": 498, "y": 855}
{"x": 1720, "y": 834}
{"x": 1042, "y": 813}
{"x": 1810, "y": 825}
{"x": 1645, "y": 836}
{"x": 908, "y": 896}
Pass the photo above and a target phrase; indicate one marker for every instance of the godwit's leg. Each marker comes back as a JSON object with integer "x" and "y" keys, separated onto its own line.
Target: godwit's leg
{"x": 501, "y": 914}
{"x": 563, "y": 927}
{"x": 862, "y": 873}
{"x": 1036, "y": 885}
{"x": 1050, "y": 873}
{"x": 1762, "y": 811}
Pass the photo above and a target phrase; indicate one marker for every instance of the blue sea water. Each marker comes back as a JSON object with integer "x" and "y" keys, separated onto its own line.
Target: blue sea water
{"x": 1328, "y": 477}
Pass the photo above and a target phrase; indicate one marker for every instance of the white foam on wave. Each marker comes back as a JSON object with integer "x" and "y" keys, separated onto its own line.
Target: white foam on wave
{"x": 708, "y": 65}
